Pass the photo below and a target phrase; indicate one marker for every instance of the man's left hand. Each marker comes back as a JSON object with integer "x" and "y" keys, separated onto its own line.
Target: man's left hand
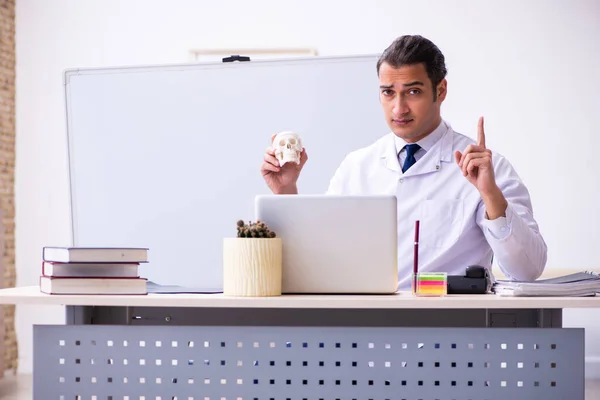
{"x": 476, "y": 165}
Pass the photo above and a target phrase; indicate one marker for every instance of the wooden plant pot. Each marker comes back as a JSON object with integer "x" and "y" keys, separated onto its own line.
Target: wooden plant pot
{"x": 252, "y": 266}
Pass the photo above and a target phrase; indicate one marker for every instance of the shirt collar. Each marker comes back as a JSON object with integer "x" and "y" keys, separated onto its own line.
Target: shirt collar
{"x": 427, "y": 142}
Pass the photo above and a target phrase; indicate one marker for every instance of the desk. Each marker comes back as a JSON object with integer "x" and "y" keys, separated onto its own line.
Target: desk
{"x": 213, "y": 347}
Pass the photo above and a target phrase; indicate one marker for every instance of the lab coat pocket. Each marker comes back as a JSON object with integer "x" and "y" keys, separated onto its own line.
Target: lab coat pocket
{"x": 441, "y": 222}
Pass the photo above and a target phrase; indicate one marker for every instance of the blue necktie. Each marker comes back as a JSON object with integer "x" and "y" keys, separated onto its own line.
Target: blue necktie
{"x": 411, "y": 149}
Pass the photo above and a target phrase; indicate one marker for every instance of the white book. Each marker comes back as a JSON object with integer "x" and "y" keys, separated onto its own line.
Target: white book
{"x": 91, "y": 270}
{"x": 95, "y": 254}
{"x": 92, "y": 286}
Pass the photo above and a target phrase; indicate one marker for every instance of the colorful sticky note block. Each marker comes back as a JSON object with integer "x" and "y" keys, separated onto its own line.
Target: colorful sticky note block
{"x": 432, "y": 284}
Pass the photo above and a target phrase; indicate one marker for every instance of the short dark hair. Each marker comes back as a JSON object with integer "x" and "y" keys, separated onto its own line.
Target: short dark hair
{"x": 415, "y": 49}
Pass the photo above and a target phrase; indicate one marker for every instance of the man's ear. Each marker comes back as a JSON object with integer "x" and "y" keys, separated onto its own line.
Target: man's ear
{"x": 442, "y": 89}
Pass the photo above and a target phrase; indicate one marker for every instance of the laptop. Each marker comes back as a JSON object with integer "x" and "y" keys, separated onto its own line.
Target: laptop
{"x": 334, "y": 244}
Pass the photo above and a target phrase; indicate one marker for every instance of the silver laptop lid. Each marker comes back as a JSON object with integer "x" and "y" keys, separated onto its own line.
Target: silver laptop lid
{"x": 334, "y": 244}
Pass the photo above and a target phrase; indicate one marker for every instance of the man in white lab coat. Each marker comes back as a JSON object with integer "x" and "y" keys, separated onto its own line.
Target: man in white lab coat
{"x": 471, "y": 203}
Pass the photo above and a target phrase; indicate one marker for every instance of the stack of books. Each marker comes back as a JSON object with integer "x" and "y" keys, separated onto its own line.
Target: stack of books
{"x": 584, "y": 283}
{"x": 93, "y": 270}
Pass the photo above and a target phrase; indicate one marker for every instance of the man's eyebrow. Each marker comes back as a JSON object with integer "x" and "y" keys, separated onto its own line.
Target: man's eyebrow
{"x": 414, "y": 83}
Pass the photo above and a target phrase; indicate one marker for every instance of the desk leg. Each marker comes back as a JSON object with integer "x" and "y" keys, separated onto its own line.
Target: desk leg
{"x": 550, "y": 318}
{"x": 78, "y": 315}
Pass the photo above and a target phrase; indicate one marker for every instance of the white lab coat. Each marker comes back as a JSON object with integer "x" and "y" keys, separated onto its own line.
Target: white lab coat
{"x": 454, "y": 231}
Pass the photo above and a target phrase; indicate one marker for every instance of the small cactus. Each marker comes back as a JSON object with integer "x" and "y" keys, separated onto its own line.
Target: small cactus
{"x": 256, "y": 229}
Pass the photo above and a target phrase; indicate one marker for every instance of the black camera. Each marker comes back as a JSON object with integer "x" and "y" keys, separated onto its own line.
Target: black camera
{"x": 475, "y": 281}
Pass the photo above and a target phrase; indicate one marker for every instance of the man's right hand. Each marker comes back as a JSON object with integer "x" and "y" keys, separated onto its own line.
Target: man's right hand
{"x": 281, "y": 180}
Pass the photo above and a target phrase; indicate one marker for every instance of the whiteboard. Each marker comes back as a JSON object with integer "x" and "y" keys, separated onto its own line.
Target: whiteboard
{"x": 168, "y": 156}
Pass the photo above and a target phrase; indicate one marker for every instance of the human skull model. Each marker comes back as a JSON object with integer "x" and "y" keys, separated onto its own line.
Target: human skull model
{"x": 288, "y": 147}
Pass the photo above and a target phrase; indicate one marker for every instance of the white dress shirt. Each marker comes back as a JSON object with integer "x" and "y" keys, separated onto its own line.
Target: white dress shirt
{"x": 454, "y": 230}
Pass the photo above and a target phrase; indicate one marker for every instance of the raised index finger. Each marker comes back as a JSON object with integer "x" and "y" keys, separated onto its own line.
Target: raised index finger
{"x": 480, "y": 133}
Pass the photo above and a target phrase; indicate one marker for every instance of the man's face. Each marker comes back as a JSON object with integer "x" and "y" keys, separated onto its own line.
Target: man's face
{"x": 406, "y": 94}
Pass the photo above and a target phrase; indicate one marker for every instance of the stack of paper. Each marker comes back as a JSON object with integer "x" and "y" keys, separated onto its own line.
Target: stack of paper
{"x": 584, "y": 283}
{"x": 154, "y": 287}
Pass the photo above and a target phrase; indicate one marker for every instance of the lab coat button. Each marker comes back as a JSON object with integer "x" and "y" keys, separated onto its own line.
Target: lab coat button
{"x": 401, "y": 180}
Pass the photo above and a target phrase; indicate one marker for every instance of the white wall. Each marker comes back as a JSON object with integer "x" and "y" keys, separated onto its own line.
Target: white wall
{"x": 530, "y": 66}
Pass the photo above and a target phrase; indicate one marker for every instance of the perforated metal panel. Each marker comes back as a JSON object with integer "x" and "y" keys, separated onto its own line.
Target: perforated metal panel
{"x": 247, "y": 363}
